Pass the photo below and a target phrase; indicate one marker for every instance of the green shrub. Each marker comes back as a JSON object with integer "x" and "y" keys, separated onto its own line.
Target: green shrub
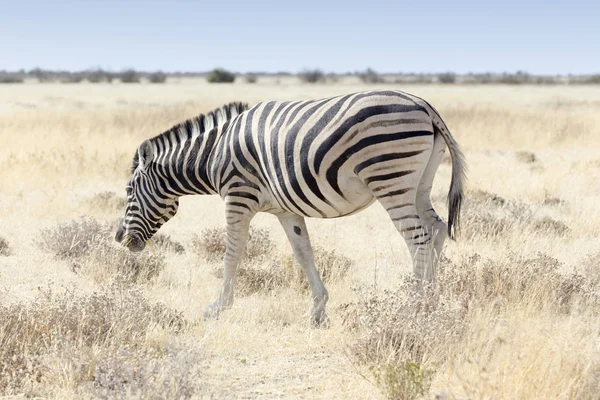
{"x": 403, "y": 380}
{"x": 220, "y": 75}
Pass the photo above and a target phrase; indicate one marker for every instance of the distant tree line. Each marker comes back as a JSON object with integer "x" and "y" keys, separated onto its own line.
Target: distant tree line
{"x": 307, "y": 76}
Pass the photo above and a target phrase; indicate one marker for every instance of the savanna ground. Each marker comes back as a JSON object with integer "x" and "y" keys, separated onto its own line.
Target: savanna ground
{"x": 515, "y": 315}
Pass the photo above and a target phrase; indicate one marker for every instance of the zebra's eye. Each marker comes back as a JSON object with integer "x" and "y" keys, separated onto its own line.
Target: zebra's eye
{"x": 129, "y": 190}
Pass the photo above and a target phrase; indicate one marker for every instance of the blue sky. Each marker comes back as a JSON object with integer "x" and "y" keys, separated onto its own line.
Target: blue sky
{"x": 542, "y": 37}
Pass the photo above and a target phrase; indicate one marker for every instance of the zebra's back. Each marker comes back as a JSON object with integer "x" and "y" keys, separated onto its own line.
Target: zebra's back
{"x": 317, "y": 158}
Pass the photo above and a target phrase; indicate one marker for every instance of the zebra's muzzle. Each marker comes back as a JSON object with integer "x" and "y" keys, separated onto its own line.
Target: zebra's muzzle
{"x": 133, "y": 243}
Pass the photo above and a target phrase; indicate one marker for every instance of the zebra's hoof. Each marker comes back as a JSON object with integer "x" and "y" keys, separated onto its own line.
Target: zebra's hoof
{"x": 320, "y": 320}
{"x": 211, "y": 312}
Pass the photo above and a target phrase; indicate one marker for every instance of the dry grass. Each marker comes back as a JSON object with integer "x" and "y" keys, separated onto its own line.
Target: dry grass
{"x": 515, "y": 316}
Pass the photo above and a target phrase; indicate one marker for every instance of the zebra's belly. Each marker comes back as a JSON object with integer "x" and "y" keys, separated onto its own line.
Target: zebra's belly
{"x": 357, "y": 196}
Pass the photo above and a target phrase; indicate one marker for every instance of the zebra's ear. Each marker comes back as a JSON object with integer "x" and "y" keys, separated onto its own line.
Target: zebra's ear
{"x": 145, "y": 154}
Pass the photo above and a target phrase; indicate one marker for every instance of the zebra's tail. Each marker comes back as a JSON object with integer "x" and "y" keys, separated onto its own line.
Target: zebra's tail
{"x": 459, "y": 172}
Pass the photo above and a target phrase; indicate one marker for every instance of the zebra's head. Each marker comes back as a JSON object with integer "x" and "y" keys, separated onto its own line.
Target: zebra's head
{"x": 149, "y": 205}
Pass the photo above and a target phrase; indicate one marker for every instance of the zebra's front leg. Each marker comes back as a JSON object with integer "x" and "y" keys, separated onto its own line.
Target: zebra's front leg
{"x": 295, "y": 229}
{"x": 238, "y": 224}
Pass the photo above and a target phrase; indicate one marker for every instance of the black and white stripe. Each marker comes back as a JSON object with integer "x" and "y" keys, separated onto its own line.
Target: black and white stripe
{"x": 321, "y": 158}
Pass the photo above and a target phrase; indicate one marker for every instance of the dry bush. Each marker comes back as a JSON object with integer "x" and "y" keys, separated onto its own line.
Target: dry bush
{"x": 5, "y": 249}
{"x": 489, "y": 216}
{"x": 401, "y": 328}
{"x": 553, "y": 201}
{"x": 332, "y": 266}
{"x": 39, "y": 339}
{"x": 167, "y": 244}
{"x": 90, "y": 248}
{"x": 547, "y": 225}
{"x": 400, "y": 337}
{"x": 261, "y": 276}
{"x": 211, "y": 243}
{"x": 483, "y": 197}
{"x": 533, "y": 282}
{"x": 107, "y": 202}
{"x": 73, "y": 239}
{"x": 525, "y": 157}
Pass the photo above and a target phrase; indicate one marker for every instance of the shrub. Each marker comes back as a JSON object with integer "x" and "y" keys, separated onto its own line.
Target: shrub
{"x": 166, "y": 243}
{"x": 447, "y": 77}
{"x": 370, "y": 76}
{"x": 594, "y": 79}
{"x": 72, "y": 78}
{"x": 260, "y": 273}
{"x": 90, "y": 249}
{"x": 220, "y": 75}
{"x": 403, "y": 380}
{"x": 312, "y": 76}
{"x": 7, "y": 77}
{"x": 39, "y": 74}
{"x": 333, "y": 267}
{"x": 251, "y": 78}
{"x": 4, "y": 247}
{"x": 98, "y": 75}
{"x": 129, "y": 76}
{"x": 157, "y": 77}
{"x": 211, "y": 244}
{"x": 73, "y": 239}
{"x": 54, "y": 330}
{"x": 107, "y": 201}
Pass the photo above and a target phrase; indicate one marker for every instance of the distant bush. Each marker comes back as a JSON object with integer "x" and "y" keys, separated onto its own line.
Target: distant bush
{"x": 251, "y": 78}
{"x": 72, "y": 78}
{"x": 312, "y": 76}
{"x": 447, "y": 77}
{"x": 98, "y": 75}
{"x": 39, "y": 74}
{"x": 8, "y": 77}
{"x": 129, "y": 76}
{"x": 594, "y": 79}
{"x": 157, "y": 77}
{"x": 220, "y": 75}
{"x": 370, "y": 76}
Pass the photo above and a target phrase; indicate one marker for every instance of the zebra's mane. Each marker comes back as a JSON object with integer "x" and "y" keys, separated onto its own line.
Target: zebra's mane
{"x": 200, "y": 124}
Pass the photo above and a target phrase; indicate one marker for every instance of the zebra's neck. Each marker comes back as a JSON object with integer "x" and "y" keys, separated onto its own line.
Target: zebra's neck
{"x": 182, "y": 153}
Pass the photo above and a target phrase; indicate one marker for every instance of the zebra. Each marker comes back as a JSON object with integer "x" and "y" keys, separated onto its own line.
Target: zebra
{"x": 322, "y": 158}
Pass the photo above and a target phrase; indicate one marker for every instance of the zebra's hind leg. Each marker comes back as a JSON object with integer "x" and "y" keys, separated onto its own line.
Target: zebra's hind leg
{"x": 238, "y": 224}
{"x": 295, "y": 229}
{"x": 398, "y": 199}
{"x": 433, "y": 222}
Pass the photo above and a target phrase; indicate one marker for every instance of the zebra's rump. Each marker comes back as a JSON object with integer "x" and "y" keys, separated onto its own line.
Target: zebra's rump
{"x": 324, "y": 158}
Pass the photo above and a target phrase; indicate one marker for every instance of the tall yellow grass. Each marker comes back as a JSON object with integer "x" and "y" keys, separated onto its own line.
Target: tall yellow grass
{"x": 500, "y": 326}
